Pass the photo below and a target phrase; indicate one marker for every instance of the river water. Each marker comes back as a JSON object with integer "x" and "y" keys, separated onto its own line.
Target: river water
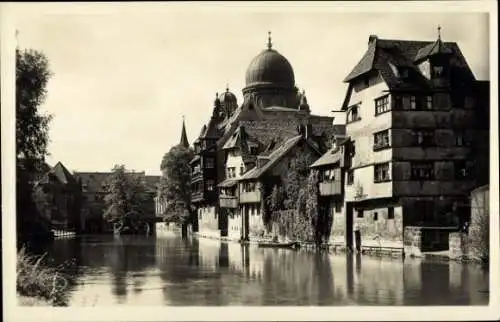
{"x": 169, "y": 270}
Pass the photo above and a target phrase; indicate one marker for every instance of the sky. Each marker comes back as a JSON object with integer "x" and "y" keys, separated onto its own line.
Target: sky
{"x": 124, "y": 76}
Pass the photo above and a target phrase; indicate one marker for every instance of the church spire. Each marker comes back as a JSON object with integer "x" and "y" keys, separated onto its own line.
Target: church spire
{"x": 184, "y": 141}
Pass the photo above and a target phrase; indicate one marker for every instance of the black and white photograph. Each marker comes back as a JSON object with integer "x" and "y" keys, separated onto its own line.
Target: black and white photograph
{"x": 249, "y": 160}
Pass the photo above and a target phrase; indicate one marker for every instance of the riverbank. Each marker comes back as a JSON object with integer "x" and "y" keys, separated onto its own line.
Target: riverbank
{"x": 371, "y": 250}
{"x": 36, "y": 283}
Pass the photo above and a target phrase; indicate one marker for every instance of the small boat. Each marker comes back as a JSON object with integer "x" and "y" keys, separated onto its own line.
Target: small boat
{"x": 293, "y": 245}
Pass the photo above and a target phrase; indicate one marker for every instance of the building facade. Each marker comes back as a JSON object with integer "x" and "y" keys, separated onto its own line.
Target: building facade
{"x": 58, "y": 196}
{"x": 416, "y": 126}
{"x": 240, "y": 137}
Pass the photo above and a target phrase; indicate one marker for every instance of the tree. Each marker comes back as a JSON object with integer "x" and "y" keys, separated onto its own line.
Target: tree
{"x": 127, "y": 200}
{"x": 175, "y": 184}
{"x": 32, "y": 137}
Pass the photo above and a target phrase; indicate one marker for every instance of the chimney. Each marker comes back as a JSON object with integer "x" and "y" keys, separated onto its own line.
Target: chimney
{"x": 372, "y": 39}
{"x": 261, "y": 161}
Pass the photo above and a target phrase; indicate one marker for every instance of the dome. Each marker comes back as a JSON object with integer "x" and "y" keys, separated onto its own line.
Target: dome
{"x": 227, "y": 97}
{"x": 270, "y": 67}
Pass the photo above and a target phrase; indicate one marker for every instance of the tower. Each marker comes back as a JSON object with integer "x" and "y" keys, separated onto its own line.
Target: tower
{"x": 184, "y": 141}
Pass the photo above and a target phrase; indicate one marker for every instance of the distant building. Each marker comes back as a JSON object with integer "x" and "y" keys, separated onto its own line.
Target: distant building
{"x": 95, "y": 187}
{"x": 59, "y": 198}
{"x": 417, "y": 142}
{"x": 238, "y": 139}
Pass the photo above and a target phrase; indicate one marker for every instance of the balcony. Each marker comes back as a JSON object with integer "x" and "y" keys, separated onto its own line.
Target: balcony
{"x": 330, "y": 188}
{"x": 250, "y": 197}
{"x": 228, "y": 201}
{"x": 197, "y": 196}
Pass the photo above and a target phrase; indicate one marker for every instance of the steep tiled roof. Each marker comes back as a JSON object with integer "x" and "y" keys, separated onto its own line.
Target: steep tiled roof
{"x": 97, "y": 181}
{"x": 404, "y": 53}
{"x": 275, "y": 157}
{"x": 211, "y": 131}
{"x": 365, "y": 64}
{"x": 332, "y": 156}
{"x": 62, "y": 174}
{"x": 228, "y": 183}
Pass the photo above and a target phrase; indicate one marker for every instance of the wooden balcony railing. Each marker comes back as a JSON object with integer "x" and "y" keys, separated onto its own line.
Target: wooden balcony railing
{"x": 228, "y": 201}
{"x": 330, "y": 188}
{"x": 250, "y": 197}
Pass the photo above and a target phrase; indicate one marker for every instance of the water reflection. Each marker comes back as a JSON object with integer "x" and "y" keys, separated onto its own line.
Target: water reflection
{"x": 169, "y": 270}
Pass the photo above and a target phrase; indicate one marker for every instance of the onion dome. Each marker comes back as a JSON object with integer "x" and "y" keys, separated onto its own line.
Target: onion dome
{"x": 271, "y": 68}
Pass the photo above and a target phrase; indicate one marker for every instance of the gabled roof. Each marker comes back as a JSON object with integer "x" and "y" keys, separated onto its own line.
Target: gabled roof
{"x": 275, "y": 157}
{"x": 62, "y": 174}
{"x": 365, "y": 64}
{"x": 405, "y": 53}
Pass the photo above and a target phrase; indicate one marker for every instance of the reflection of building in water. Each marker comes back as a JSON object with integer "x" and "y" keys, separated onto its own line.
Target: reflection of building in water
{"x": 367, "y": 281}
{"x": 209, "y": 253}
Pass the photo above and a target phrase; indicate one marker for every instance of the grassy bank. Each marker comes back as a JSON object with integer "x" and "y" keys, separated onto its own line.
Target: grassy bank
{"x": 38, "y": 284}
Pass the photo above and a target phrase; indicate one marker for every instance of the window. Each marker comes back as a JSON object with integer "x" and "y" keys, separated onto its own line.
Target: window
{"x": 350, "y": 177}
{"x": 413, "y": 102}
{"x": 423, "y": 137}
{"x": 381, "y": 172}
{"x": 460, "y": 139}
{"x": 381, "y": 140}
{"x": 382, "y": 105}
{"x": 249, "y": 186}
{"x": 375, "y": 216}
{"x": 462, "y": 169}
{"x": 422, "y": 170}
{"x": 352, "y": 114}
{"x": 242, "y": 170}
{"x": 210, "y": 185}
{"x": 429, "y": 102}
{"x": 209, "y": 163}
{"x": 398, "y": 102}
{"x": 437, "y": 71}
{"x": 338, "y": 207}
{"x": 360, "y": 213}
{"x": 353, "y": 148}
{"x": 390, "y": 213}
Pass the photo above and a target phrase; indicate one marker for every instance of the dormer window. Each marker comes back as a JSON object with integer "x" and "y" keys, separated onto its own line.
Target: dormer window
{"x": 437, "y": 71}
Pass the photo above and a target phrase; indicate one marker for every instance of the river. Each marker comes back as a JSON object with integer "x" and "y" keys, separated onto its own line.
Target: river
{"x": 169, "y": 270}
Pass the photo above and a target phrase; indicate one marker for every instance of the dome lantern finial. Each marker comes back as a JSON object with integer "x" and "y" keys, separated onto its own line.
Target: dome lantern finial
{"x": 227, "y": 87}
{"x": 269, "y": 43}
{"x": 439, "y": 32}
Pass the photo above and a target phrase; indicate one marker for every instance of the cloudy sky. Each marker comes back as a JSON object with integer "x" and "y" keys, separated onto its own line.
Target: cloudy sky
{"x": 124, "y": 75}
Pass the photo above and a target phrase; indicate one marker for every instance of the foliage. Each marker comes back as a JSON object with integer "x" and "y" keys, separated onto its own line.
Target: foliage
{"x": 294, "y": 205}
{"x": 127, "y": 200}
{"x": 175, "y": 184}
{"x": 35, "y": 279}
{"x": 32, "y": 137}
{"x": 479, "y": 232}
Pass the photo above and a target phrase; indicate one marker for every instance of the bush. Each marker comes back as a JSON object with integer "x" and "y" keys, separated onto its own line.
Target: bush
{"x": 34, "y": 279}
